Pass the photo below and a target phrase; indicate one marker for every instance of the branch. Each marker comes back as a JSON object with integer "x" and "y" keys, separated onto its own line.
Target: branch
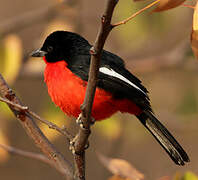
{"x": 137, "y": 13}
{"x": 35, "y": 133}
{"x": 51, "y": 125}
{"x": 95, "y": 51}
{"x": 31, "y": 155}
{"x": 23, "y": 108}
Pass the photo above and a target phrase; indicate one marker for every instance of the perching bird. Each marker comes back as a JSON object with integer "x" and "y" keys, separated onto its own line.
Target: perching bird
{"x": 67, "y": 57}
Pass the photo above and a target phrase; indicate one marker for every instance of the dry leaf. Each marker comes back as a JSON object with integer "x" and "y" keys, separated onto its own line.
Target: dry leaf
{"x": 194, "y": 34}
{"x": 167, "y": 4}
{"x": 116, "y": 177}
{"x": 120, "y": 168}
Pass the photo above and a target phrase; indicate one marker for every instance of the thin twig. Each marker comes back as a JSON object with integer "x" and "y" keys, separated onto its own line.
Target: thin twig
{"x": 137, "y": 13}
{"x": 14, "y": 104}
{"x": 28, "y": 154}
{"x": 58, "y": 160}
{"x": 95, "y": 51}
{"x": 32, "y": 155}
{"x": 51, "y": 125}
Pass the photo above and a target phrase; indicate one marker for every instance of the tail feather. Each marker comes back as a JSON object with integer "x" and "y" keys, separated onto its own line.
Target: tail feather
{"x": 163, "y": 136}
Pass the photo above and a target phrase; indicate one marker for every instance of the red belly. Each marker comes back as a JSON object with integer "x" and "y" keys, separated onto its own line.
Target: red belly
{"x": 68, "y": 91}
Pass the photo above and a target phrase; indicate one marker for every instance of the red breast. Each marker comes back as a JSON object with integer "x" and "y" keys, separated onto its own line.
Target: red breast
{"x": 68, "y": 91}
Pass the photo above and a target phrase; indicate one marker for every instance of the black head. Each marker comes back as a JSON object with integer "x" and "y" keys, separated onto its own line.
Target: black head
{"x": 61, "y": 45}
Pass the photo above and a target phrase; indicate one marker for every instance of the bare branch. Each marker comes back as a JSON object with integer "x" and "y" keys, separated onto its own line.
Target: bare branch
{"x": 35, "y": 133}
{"x": 51, "y": 125}
{"x": 23, "y": 108}
{"x": 95, "y": 51}
{"x": 137, "y": 13}
{"x": 31, "y": 155}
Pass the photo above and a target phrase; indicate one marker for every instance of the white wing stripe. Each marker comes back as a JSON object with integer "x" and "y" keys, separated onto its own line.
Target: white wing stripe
{"x": 111, "y": 72}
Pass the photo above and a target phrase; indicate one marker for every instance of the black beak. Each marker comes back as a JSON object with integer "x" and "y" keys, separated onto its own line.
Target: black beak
{"x": 38, "y": 53}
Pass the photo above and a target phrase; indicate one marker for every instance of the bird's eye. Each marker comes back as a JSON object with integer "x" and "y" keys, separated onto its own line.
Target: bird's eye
{"x": 49, "y": 48}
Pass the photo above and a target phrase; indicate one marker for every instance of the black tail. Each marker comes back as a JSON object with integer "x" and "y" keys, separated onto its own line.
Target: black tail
{"x": 163, "y": 136}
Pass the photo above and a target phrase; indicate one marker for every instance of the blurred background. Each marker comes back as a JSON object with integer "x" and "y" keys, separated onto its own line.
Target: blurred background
{"x": 156, "y": 48}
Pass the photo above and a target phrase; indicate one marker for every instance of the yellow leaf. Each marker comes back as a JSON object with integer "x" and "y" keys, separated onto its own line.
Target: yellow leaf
{"x": 13, "y": 57}
{"x": 194, "y": 34}
{"x": 189, "y": 176}
{"x": 167, "y": 4}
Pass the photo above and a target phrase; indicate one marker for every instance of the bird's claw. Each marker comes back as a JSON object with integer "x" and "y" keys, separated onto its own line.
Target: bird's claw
{"x": 72, "y": 145}
{"x": 80, "y": 122}
{"x": 92, "y": 122}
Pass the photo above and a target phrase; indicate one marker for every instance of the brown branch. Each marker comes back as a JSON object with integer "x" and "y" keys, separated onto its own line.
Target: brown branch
{"x": 23, "y": 108}
{"x": 35, "y": 133}
{"x": 95, "y": 51}
{"x": 32, "y": 155}
{"x": 51, "y": 125}
{"x": 137, "y": 13}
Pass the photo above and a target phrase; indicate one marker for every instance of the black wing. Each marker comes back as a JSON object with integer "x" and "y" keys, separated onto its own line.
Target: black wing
{"x": 120, "y": 89}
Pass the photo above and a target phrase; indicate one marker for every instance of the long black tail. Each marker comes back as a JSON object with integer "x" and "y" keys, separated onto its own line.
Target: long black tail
{"x": 163, "y": 136}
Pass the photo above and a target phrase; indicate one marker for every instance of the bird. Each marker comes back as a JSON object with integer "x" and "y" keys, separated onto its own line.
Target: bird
{"x": 67, "y": 57}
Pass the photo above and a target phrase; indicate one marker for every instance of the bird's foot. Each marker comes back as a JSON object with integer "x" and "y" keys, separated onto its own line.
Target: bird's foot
{"x": 80, "y": 122}
{"x": 72, "y": 145}
{"x": 92, "y": 121}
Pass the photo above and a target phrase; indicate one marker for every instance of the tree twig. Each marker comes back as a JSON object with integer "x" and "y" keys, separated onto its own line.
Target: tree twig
{"x": 32, "y": 155}
{"x": 51, "y": 125}
{"x": 95, "y": 51}
{"x": 137, "y": 13}
{"x": 35, "y": 133}
{"x": 23, "y": 108}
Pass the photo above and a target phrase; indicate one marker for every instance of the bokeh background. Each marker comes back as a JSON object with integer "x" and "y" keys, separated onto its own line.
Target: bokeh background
{"x": 155, "y": 47}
